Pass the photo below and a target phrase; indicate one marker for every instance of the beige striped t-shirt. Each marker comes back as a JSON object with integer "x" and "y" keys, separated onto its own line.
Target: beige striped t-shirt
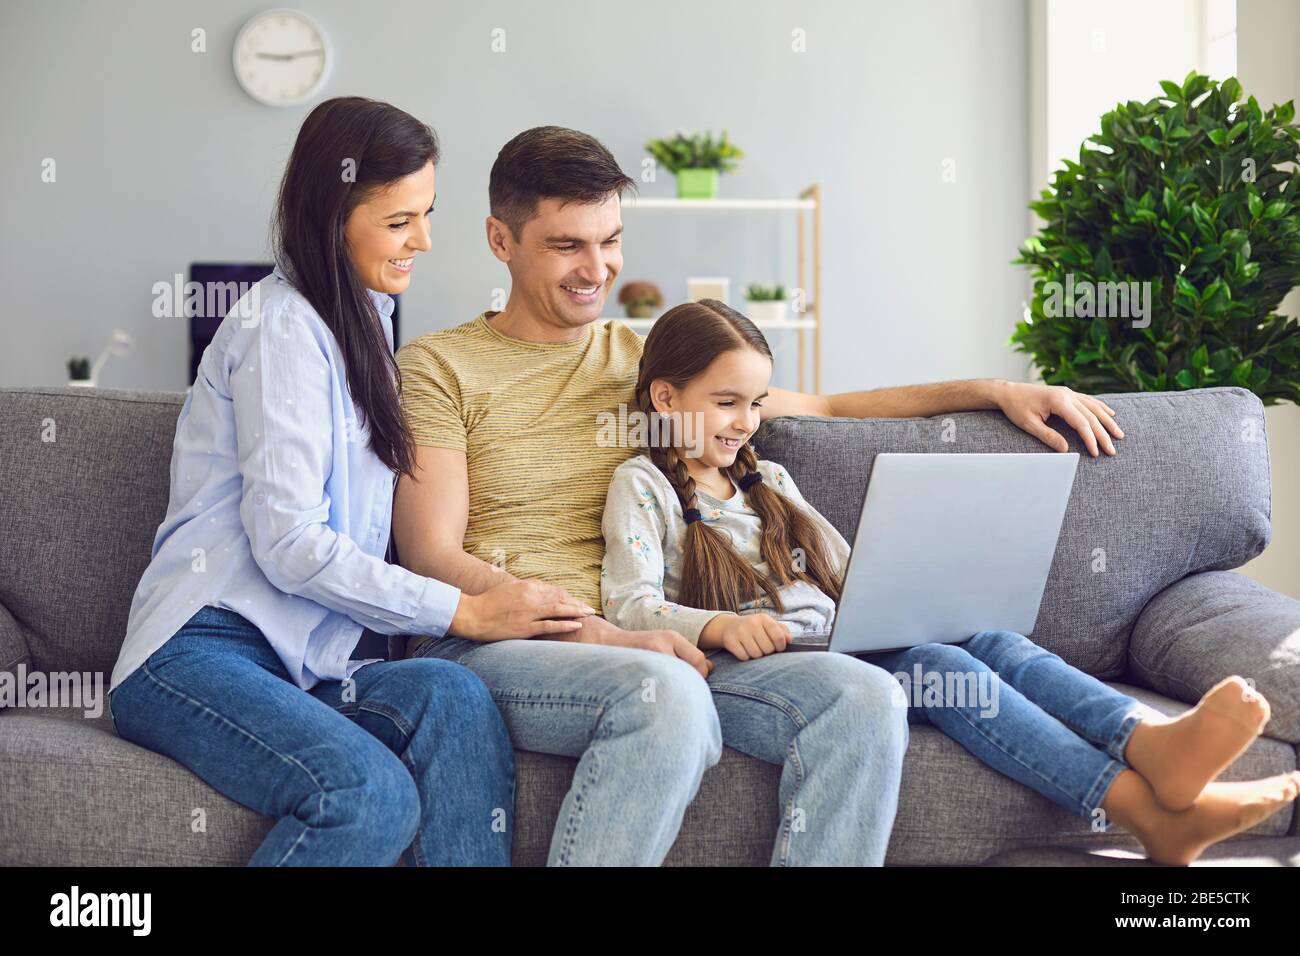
{"x": 528, "y": 416}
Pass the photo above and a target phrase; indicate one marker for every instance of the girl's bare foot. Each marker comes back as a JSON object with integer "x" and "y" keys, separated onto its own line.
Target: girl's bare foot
{"x": 1179, "y": 755}
{"x": 1176, "y": 838}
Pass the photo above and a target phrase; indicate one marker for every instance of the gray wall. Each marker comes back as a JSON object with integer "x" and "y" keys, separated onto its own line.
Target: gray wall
{"x": 162, "y": 159}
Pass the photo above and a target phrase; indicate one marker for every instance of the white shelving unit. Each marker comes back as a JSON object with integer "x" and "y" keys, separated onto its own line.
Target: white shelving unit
{"x": 806, "y": 206}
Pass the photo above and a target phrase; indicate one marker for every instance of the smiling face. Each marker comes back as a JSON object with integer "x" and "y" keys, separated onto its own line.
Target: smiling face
{"x": 564, "y": 262}
{"x": 386, "y": 231}
{"x": 722, "y": 405}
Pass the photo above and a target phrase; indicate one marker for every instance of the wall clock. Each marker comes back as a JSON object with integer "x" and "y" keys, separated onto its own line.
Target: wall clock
{"x": 282, "y": 57}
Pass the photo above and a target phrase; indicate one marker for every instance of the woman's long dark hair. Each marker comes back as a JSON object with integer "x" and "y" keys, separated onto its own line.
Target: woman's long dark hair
{"x": 682, "y": 343}
{"x": 347, "y": 149}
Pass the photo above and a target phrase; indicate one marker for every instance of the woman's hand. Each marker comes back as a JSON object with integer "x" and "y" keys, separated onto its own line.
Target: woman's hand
{"x": 746, "y": 636}
{"x": 517, "y": 609}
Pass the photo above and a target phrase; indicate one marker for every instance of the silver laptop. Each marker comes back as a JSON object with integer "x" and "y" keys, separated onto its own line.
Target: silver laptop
{"x": 949, "y": 545}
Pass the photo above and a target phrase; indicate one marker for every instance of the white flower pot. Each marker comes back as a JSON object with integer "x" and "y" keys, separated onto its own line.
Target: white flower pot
{"x": 766, "y": 313}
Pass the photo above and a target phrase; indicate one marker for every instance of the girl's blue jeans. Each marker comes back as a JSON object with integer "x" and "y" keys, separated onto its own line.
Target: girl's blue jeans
{"x": 407, "y": 759}
{"x": 1022, "y": 711}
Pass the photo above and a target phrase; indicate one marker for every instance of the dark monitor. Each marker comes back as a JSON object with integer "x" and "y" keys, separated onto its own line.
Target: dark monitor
{"x": 217, "y": 281}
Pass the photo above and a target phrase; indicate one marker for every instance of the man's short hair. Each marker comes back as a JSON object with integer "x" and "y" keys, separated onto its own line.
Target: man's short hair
{"x": 551, "y": 162}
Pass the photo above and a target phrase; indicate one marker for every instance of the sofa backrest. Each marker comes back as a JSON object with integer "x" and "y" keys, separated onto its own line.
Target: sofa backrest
{"x": 1188, "y": 491}
{"x": 84, "y": 484}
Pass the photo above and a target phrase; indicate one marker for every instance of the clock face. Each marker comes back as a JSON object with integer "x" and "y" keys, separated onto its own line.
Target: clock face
{"x": 282, "y": 57}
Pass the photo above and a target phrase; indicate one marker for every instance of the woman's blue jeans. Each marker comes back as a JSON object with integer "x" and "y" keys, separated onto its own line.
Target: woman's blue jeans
{"x": 1022, "y": 711}
{"x": 407, "y": 759}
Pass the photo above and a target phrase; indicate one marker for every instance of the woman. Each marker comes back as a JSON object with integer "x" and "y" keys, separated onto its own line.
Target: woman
{"x": 269, "y": 562}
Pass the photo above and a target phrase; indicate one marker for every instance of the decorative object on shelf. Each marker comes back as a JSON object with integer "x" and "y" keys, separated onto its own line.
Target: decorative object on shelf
{"x": 282, "y": 57}
{"x": 766, "y": 303}
{"x": 807, "y": 209}
{"x": 79, "y": 371}
{"x": 711, "y": 287}
{"x": 1184, "y": 220}
{"x": 696, "y": 160}
{"x": 640, "y": 299}
{"x": 82, "y": 373}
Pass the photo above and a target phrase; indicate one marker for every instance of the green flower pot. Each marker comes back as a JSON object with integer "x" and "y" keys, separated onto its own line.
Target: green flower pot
{"x": 697, "y": 184}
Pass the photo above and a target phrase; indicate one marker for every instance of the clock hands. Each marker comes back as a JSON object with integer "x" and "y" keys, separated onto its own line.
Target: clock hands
{"x": 290, "y": 56}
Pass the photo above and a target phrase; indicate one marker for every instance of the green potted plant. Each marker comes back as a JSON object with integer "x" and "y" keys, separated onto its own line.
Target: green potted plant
{"x": 767, "y": 303}
{"x": 696, "y": 160}
{"x": 640, "y": 299}
{"x": 1166, "y": 248}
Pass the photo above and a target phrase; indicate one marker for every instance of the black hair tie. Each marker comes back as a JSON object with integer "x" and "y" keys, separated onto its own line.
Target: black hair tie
{"x": 750, "y": 480}
{"x": 691, "y": 514}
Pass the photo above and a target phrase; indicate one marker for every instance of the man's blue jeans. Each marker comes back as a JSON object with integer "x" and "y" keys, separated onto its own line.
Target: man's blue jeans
{"x": 646, "y": 726}
{"x": 411, "y": 760}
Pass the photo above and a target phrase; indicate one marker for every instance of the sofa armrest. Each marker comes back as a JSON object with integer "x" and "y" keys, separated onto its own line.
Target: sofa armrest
{"x": 1207, "y": 626}
{"x": 13, "y": 649}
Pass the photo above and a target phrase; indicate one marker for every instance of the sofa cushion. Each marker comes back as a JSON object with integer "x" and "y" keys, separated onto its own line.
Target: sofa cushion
{"x": 954, "y": 810}
{"x": 1188, "y": 491}
{"x": 13, "y": 650}
{"x": 84, "y": 483}
{"x": 1207, "y": 626}
{"x": 76, "y": 794}
{"x": 72, "y": 793}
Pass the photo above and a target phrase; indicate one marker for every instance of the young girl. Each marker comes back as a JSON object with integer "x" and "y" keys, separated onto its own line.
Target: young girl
{"x": 704, "y": 539}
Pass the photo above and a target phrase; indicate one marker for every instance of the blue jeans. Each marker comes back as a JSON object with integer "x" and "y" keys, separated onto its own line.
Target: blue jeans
{"x": 645, "y": 726}
{"x": 1045, "y": 724}
{"x": 408, "y": 759}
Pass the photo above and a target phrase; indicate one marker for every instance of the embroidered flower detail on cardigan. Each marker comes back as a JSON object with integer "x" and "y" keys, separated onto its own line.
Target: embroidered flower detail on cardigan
{"x": 639, "y": 545}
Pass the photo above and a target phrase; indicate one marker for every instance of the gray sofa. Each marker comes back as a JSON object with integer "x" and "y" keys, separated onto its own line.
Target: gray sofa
{"x": 1141, "y": 594}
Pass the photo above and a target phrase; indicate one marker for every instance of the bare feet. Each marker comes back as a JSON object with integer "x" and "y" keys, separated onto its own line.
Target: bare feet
{"x": 1176, "y": 838}
{"x": 1179, "y": 755}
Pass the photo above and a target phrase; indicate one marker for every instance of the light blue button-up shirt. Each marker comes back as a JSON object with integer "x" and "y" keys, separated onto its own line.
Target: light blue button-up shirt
{"x": 279, "y": 510}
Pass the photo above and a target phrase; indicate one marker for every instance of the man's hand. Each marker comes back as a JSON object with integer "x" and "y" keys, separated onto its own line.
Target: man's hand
{"x": 597, "y": 630}
{"x": 1028, "y": 406}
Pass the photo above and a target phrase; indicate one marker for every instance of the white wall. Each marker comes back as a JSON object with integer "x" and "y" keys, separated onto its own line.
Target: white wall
{"x": 1269, "y": 68}
{"x": 163, "y": 160}
{"x": 1087, "y": 56}
{"x": 1104, "y": 52}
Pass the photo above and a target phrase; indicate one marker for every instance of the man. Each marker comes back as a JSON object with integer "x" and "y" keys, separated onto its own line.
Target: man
{"x": 511, "y": 482}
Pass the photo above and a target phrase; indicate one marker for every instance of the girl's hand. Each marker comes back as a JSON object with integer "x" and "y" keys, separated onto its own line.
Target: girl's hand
{"x": 748, "y": 636}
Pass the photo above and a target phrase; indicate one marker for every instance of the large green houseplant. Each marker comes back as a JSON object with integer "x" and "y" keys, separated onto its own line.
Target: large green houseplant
{"x": 1179, "y": 203}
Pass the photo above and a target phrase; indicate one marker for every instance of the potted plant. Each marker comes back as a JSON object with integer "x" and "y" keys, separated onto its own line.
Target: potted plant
{"x": 640, "y": 299}
{"x": 1184, "y": 209}
{"x": 79, "y": 372}
{"x": 767, "y": 303}
{"x": 696, "y": 160}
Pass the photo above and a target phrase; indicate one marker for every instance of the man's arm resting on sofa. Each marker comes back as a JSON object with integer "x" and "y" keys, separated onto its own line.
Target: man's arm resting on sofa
{"x": 1026, "y": 405}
